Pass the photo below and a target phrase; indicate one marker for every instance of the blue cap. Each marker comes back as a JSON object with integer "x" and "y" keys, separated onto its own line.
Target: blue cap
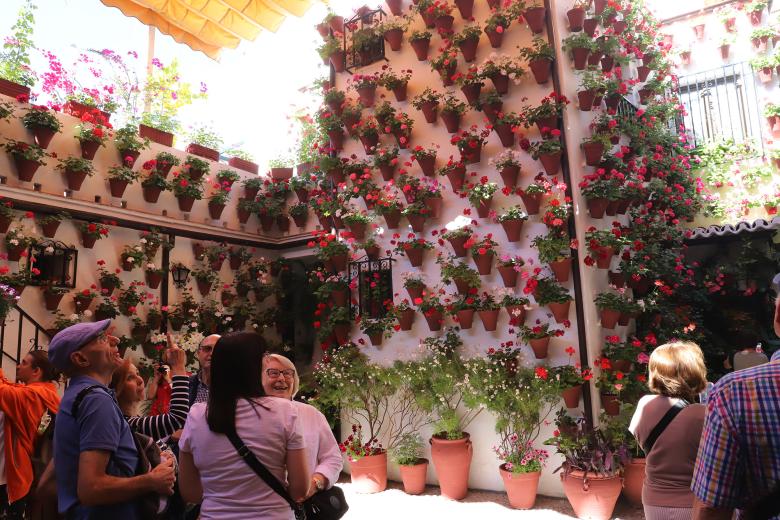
{"x": 68, "y": 341}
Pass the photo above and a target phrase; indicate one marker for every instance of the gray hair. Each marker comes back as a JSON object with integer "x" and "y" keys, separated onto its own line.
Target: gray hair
{"x": 288, "y": 364}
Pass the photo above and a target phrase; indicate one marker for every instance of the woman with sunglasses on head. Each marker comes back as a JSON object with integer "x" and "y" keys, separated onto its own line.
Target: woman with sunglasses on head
{"x": 280, "y": 379}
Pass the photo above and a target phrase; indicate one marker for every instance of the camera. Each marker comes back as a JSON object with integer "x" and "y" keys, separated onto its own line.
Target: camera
{"x": 162, "y": 369}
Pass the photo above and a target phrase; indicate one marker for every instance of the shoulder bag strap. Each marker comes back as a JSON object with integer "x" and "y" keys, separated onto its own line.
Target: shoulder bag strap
{"x": 74, "y": 410}
{"x": 662, "y": 424}
{"x": 260, "y": 469}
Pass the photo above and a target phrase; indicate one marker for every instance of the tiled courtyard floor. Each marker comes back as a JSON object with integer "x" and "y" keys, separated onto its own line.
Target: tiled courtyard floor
{"x": 480, "y": 505}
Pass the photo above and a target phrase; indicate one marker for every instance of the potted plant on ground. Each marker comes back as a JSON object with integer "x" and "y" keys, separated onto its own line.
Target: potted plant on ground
{"x": 76, "y": 169}
{"x": 407, "y": 455}
{"x": 27, "y": 158}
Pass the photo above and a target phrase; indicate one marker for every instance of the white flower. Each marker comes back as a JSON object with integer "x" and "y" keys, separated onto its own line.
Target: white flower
{"x": 143, "y": 240}
{"x": 87, "y": 313}
{"x": 150, "y": 266}
{"x": 49, "y": 249}
{"x": 138, "y": 248}
{"x": 13, "y": 242}
{"x": 194, "y": 324}
{"x": 74, "y": 317}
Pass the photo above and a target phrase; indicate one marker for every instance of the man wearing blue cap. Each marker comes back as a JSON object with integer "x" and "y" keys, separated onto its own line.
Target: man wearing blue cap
{"x": 94, "y": 451}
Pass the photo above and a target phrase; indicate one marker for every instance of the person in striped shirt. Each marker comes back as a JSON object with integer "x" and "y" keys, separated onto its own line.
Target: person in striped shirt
{"x": 738, "y": 464}
{"x": 129, "y": 388}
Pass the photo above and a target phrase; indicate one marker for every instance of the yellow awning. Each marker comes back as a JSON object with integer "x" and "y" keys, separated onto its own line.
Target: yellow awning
{"x": 211, "y": 25}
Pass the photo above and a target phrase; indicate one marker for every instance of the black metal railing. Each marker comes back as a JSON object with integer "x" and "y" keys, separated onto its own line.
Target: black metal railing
{"x": 374, "y": 51}
{"x": 722, "y": 103}
{"x": 374, "y": 280}
{"x": 18, "y": 329}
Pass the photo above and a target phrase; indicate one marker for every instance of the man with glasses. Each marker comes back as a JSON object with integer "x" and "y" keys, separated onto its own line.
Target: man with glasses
{"x": 94, "y": 451}
{"x": 199, "y": 382}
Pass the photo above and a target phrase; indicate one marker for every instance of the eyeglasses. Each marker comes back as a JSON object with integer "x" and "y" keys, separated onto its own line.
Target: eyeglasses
{"x": 274, "y": 373}
{"x": 206, "y": 349}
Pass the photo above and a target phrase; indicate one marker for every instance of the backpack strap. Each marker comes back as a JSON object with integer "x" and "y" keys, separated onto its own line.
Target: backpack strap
{"x": 74, "y": 409}
{"x": 662, "y": 424}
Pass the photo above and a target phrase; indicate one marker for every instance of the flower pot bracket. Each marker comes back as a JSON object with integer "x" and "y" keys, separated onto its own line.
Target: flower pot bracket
{"x": 374, "y": 282}
{"x": 376, "y": 52}
{"x": 54, "y": 264}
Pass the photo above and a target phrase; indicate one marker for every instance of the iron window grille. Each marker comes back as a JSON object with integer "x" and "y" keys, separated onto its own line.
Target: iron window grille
{"x": 375, "y": 286}
{"x": 52, "y": 263}
{"x": 375, "y": 52}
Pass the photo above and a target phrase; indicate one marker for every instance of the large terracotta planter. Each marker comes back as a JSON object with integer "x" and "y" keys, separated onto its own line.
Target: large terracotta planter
{"x": 561, "y": 269}
{"x": 25, "y": 168}
{"x": 413, "y": 477}
{"x": 155, "y": 135}
{"x": 484, "y": 263}
{"x": 369, "y": 474}
{"x": 489, "y": 319}
{"x": 513, "y": 229}
{"x": 520, "y": 487}
{"x": 9, "y": 88}
{"x": 452, "y": 462}
{"x": 560, "y": 311}
{"x": 571, "y": 396}
{"x": 540, "y": 347}
{"x": 508, "y": 275}
{"x": 593, "y": 497}
{"x": 203, "y": 151}
{"x": 633, "y": 480}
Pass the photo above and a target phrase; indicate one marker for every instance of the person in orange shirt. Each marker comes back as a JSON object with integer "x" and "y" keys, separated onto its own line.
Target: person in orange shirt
{"x": 22, "y": 406}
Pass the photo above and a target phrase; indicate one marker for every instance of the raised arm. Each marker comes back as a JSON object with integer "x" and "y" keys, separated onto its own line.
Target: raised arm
{"x": 162, "y": 425}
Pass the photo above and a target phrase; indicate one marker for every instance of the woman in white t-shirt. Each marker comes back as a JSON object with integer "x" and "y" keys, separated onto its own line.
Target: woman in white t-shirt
{"x": 211, "y": 469}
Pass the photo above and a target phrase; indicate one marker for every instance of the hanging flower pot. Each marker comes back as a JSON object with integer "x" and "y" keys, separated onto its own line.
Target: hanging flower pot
{"x": 117, "y": 187}
{"x": 508, "y": 275}
{"x": 430, "y": 111}
{"x": 82, "y": 302}
{"x": 551, "y": 163}
{"x": 421, "y": 48}
{"x": 576, "y": 18}
{"x": 466, "y": 8}
{"x": 597, "y": 207}
{"x": 594, "y": 58}
{"x": 609, "y": 318}
{"x": 540, "y": 347}
{"x": 394, "y": 37}
{"x": 491, "y": 110}
{"x": 338, "y": 60}
{"x": 505, "y": 134}
{"x": 367, "y": 95}
{"x": 580, "y": 57}
{"x": 643, "y": 72}
{"x": 603, "y": 256}
{"x": 532, "y": 202}
{"x": 418, "y": 224}
{"x": 75, "y": 179}
{"x": 452, "y": 462}
{"x": 592, "y": 497}
{"x": 358, "y": 229}
{"x": 50, "y": 228}
{"x": 465, "y": 318}
{"x": 451, "y": 121}
{"x": 484, "y": 263}
{"x": 185, "y": 202}
{"x": 151, "y": 194}
{"x": 560, "y": 311}
{"x": 535, "y": 17}
{"x": 633, "y": 480}
{"x": 471, "y": 91}
{"x": 387, "y": 171}
{"x": 590, "y": 25}
{"x": 415, "y": 254}
{"x": 400, "y": 92}
{"x": 610, "y": 404}
{"x": 406, "y": 319}
{"x": 153, "y": 279}
{"x": 25, "y": 168}
{"x": 571, "y": 396}
{"x": 607, "y": 63}
{"x": 469, "y": 49}
{"x": 458, "y": 246}
{"x": 561, "y": 269}
{"x": 444, "y": 24}
{"x": 585, "y": 98}
{"x": 462, "y": 284}
{"x": 341, "y": 330}
{"x": 52, "y": 299}
{"x": 685, "y": 57}
{"x": 43, "y": 136}
{"x": 393, "y": 219}
{"x": 520, "y": 488}
{"x": 457, "y": 176}
{"x": 724, "y": 53}
{"x": 645, "y": 94}
{"x": 428, "y": 19}
{"x": 434, "y": 205}
{"x": 513, "y": 229}
{"x": 509, "y": 175}
{"x": 489, "y": 319}
{"x": 369, "y": 142}
{"x": 413, "y": 476}
{"x": 471, "y": 155}
{"x": 336, "y": 138}
{"x": 283, "y": 223}
{"x": 501, "y": 82}
{"x": 427, "y": 164}
{"x": 5, "y": 223}
{"x": 496, "y": 38}
{"x": 755, "y": 17}
{"x": 765, "y": 75}
{"x": 402, "y": 139}
{"x": 434, "y": 319}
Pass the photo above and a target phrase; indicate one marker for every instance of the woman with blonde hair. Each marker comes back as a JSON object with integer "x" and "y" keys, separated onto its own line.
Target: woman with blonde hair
{"x": 667, "y": 425}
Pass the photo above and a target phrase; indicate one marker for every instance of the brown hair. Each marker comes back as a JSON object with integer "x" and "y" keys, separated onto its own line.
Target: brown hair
{"x": 40, "y": 359}
{"x": 118, "y": 378}
{"x": 677, "y": 370}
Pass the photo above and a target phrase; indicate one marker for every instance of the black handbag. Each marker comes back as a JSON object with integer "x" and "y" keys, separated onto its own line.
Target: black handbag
{"x": 328, "y": 504}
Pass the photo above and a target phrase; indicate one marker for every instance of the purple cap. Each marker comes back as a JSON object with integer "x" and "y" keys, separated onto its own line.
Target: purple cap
{"x": 68, "y": 341}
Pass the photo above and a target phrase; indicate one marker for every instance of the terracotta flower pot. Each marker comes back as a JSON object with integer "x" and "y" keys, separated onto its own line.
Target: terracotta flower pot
{"x": 491, "y": 110}
{"x": 551, "y": 163}
{"x": 185, "y": 202}
{"x": 513, "y": 229}
{"x": 369, "y": 474}
{"x": 75, "y": 179}
{"x": 471, "y": 91}
{"x": 11, "y": 89}
{"x": 82, "y": 303}
{"x": 466, "y": 8}
{"x": 458, "y": 247}
{"x": 5, "y": 223}
{"x": 561, "y": 269}
{"x": 576, "y": 18}
{"x": 400, "y": 92}
{"x": 585, "y": 99}
{"x": 580, "y": 57}
{"x": 117, "y": 187}
{"x": 465, "y": 318}
{"x": 337, "y": 60}
{"x": 413, "y": 477}
{"x": 571, "y": 396}
{"x": 393, "y": 219}
{"x": 597, "y": 207}
{"x": 643, "y": 72}
{"x": 540, "y": 347}
{"x": 452, "y": 462}
{"x": 509, "y": 175}
{"x": 394, "y": 38}
{"x": 434, "y": 205}
{"x": 593, "y": 153}
{"x": 724, "y": 52}
{"x": 395, "y": 6}
{"x": 421, "y": 48}
{"x": 427, "y": 164}
{"x": 367, "y": 95}
{"x": 516, "y": 314}
{"x": 50, "y": 229}
{"x": 372, "y": 252}
{"x": 417, "y": 222}
{"x": 25, "y": 168}
{"x": 153, "y": 279}
{"x": 532, "y": 202}
{"x": 434, "y": 319}
{"x": 483, "y": 208}
{"x": 645, "y": 94}
{"x": 43, "y": 136}
{"x": 541, "y": 70}
{"x": 484, "y": 263}
{"x": 469, "y": 49}
{"x": 496, "y": 38}
{"x": 339, "y": 262}
{"x": 430, "y": 111}
{"x": 336, "y": 138}
{"x": 462, "y": 285}
{"x": 593, "y": 497}
{"x": 535, "y": 18}
{"x": 505, "y": 134}
{"x": 560, "y": 311}
{"x": 609, "y": 318}
{"x": 283, "y": 223}
{"x": 617, "y": 279}
{"x": 489, "y": 319}
{"x": 508, "y": 275}
{"x": 151, "y": 194}
{"x": 444, "y": 24}
{"x": 414, "y": 292}
{"x": 415, "y": 256}
{"x": 611, "y": 404}
{"x": 457, "y": 177}
{"x": 520, "y": 488}
{"x": 52, "y": 300}
{"x": 633, "y": 480}
{"x": 590, "y": 25}
{"x": 451, "y": 121}
{"x": 406, "y": 319}
{"x": 594, "y": 57}
{"x": 604, "y": 257}
{"x": 500, "y": 82}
